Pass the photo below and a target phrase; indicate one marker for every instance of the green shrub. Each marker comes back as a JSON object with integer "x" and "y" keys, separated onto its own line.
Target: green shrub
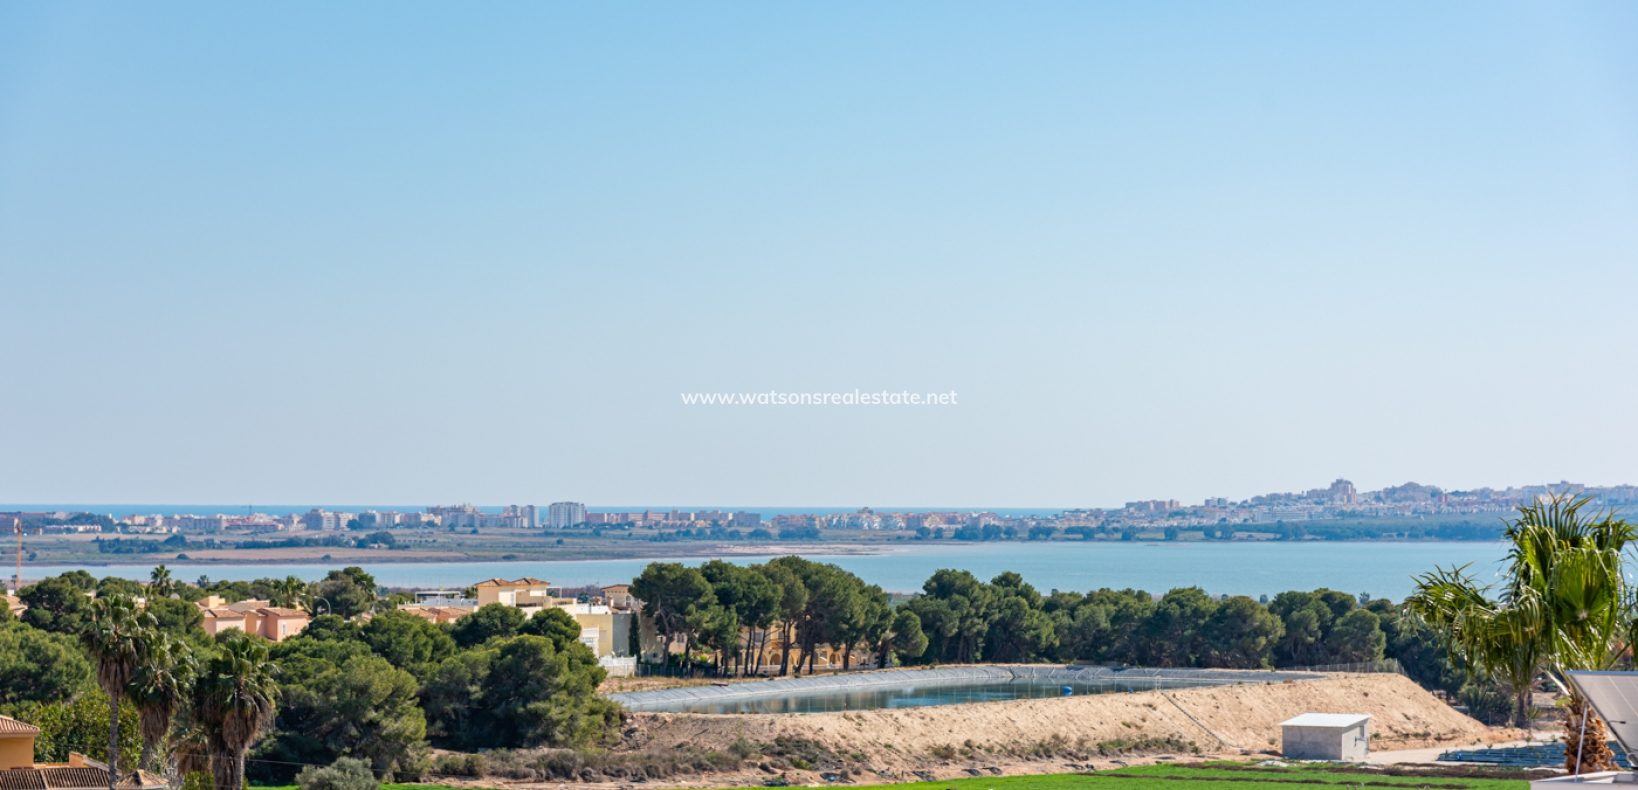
{"x": 345, "y": 773}
{"x": 742, "y": 748}
{"x": 79, "y": 725}
{"x": 472, "y": 765}
{"x": 1486, "y": 702}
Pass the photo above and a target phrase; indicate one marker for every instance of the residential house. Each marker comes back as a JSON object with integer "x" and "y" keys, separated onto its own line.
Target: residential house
{"x": 261, "y": 618}
{"x": 436, "y": 613}
{"x": 605, "y": 631}
{"x": 528, "y": 594}
{"x": 619, "y": 598}
{"x": 18, "y": 771}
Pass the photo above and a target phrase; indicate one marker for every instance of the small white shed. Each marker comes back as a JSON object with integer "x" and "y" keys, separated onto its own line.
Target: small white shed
{"x": 1326, "y": 736}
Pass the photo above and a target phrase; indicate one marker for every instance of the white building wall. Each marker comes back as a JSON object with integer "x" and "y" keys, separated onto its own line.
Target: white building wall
{"x": 1326, "y": 743}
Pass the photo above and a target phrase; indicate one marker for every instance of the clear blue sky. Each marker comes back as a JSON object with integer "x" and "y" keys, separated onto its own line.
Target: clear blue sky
{"x": 418, "y": 252}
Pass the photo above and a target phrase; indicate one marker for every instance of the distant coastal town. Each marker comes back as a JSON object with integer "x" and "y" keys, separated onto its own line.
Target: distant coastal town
{"x": 1274, "y": 515}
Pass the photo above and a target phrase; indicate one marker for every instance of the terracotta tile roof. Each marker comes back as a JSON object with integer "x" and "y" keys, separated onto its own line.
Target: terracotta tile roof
{"x": 79, "y": 773}
{"x": 76, "y": 777}
{"x": 29, "y": 779}
{"x": 58, "y": 778}
{"x": 527, "y": 581}
{"x": 281, "y": 611}
{"x": 144, "y": 779}
{"x": 11, "y": 726}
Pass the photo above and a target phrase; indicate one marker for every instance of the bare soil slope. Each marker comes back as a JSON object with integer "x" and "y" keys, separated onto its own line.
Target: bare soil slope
{"x": 1051, "y": 731}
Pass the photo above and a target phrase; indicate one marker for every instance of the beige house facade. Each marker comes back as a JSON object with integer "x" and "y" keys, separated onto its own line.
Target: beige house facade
{"x": 526, "y": 593}
{"x": 261, "y": 618}
{"x": 604, "y": 628}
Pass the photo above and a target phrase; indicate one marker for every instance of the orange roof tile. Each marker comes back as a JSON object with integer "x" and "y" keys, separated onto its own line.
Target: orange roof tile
{"x": 11, "y": 726}
{"x": 527, "y": 581}
{"x": 68, "y": 778}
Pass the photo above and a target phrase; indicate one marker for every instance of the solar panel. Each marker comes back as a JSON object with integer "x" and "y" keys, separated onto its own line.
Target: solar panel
{"x": 1614, "y": 695}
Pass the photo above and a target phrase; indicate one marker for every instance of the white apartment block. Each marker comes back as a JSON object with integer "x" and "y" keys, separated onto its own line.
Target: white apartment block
{"x": 565, "y": 514}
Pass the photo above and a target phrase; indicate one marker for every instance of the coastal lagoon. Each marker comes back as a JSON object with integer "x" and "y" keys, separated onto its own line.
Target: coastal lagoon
{"x": 1380, "y": 568}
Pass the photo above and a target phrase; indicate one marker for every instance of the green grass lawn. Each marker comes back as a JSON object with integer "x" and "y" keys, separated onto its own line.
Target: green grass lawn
{"x": 1159, "y": 777}
{"x": 1282, "y": 779}
{"x": 1156, "y": 777}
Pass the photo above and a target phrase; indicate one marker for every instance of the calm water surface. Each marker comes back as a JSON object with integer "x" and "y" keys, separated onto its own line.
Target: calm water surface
{"x": 1382, "y": 569}
{"x": 915, "y": 696}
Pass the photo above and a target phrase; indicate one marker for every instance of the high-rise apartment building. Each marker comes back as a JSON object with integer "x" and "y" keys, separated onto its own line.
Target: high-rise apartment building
{"x": 457, "y": 516}
{"x": 527, "y": 516}
{"x": 565, "y": 514}
{"x": 317, "y": 519}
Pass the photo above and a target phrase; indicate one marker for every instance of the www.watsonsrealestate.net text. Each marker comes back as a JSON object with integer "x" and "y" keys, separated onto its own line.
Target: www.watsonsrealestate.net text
{"x": 854, "y": 398}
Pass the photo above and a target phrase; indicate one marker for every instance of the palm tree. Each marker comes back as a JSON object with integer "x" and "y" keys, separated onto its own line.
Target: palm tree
{"x": 116, "y": 638}
{"x": 292, "y": 593}
{"x": 1486, "y": 637}
{"x": 1564, "y": 605}
{"x": 159, "y": 689}
{"x": 233, "y": 700}
{"x": 190, "y": 748}
{"x": 160, "y": 582}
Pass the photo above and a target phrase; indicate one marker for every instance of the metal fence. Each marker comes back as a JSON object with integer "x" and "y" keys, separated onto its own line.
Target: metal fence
{"x": 1385, "y": 666}
{"x": 1094, "y": 679}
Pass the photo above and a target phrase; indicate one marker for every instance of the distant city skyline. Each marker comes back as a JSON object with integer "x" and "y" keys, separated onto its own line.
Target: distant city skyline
{"x": 1341, "y": 493}
{"x": 435, "y": 253}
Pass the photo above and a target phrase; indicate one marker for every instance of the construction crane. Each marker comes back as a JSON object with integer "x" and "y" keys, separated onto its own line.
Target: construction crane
{"x": 17, "y": 581}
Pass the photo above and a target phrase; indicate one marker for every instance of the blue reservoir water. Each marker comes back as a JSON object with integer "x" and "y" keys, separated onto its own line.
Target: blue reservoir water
{"x": 1382, "y": 569}
{"x": 913, "y": 696}
{"x": 911, "y": 688}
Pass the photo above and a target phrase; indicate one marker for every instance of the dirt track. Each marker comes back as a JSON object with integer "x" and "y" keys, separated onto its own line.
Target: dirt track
{"x": 1038, "y": 736}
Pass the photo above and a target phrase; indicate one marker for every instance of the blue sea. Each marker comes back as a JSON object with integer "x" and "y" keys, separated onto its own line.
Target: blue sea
{"x": 1380, "y": 569}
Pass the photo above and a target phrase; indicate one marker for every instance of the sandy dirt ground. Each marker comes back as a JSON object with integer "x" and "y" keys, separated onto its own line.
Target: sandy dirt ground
{"x": 1045, "y": 736}
{"x": 337, "y": 555}
{"x": 782, "y": 549}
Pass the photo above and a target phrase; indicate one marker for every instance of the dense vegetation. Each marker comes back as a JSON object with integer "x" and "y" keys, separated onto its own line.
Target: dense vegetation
{"x": 1565, "y": 603}
{"x": 104, "y": 676}
{"x": 382, "y": 689}
{"x": 735, "y": 618}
